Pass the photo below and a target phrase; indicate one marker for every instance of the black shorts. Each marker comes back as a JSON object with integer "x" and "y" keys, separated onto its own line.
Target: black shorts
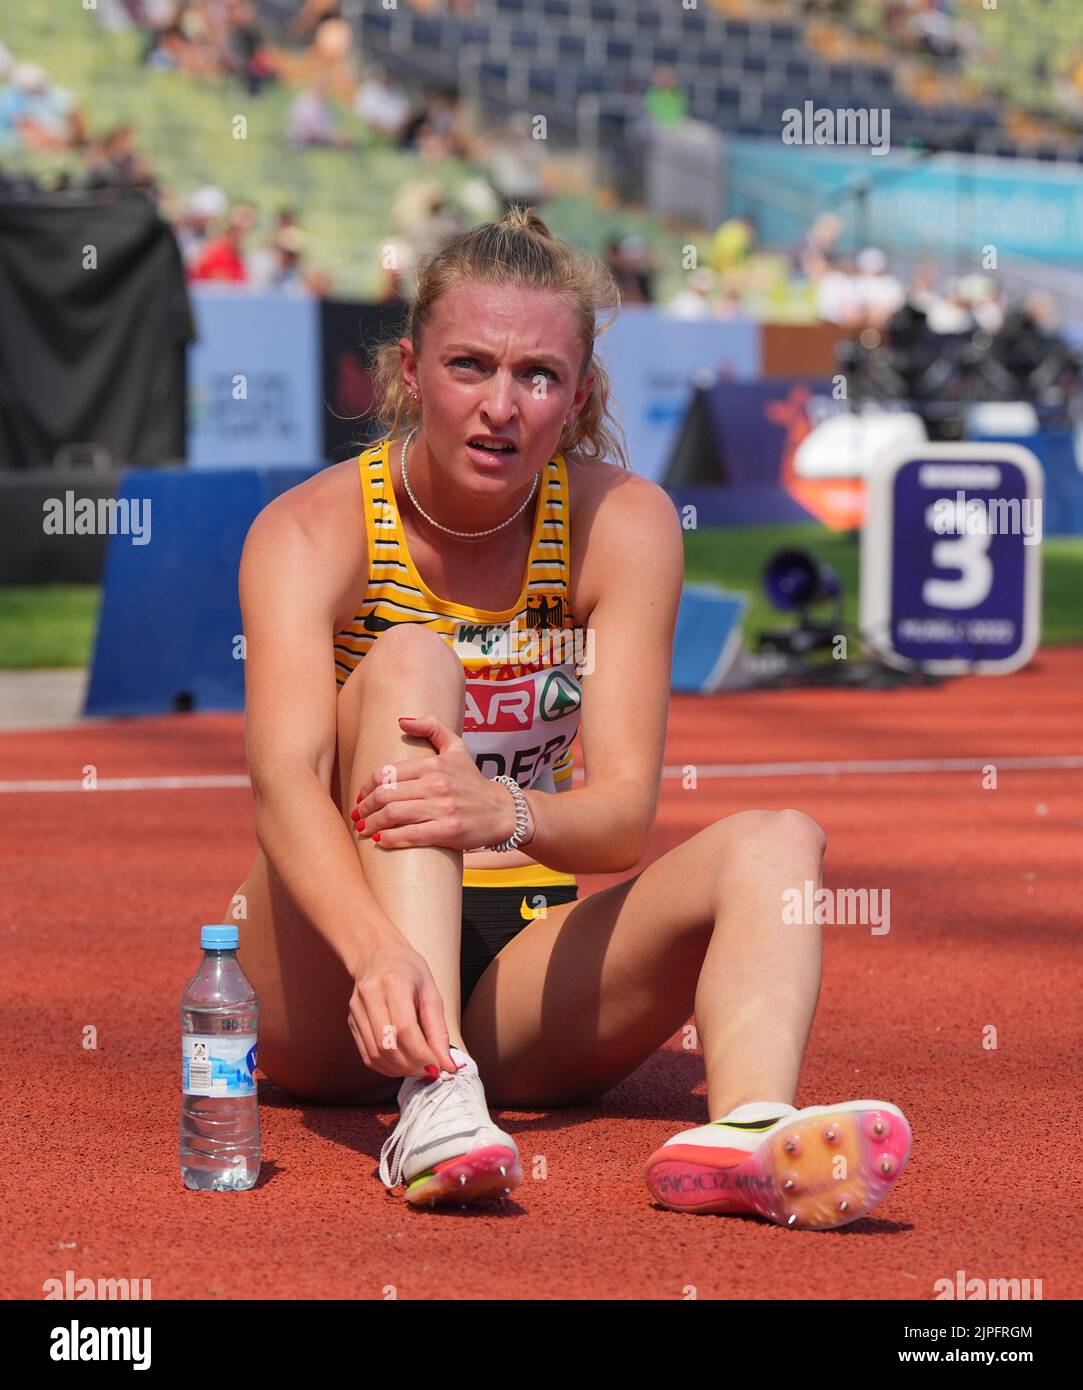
{"x": 494, "y": 916}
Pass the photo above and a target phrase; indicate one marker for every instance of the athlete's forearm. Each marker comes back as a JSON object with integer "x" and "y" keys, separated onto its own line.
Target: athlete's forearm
{"x": 599, "y": 829}
{"x": 302, "y": 833}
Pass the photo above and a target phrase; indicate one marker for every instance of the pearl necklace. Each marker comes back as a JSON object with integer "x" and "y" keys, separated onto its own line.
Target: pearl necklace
{"x": 459, "y": 535}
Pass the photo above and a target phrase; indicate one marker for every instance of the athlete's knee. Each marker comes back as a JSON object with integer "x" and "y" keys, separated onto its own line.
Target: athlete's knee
{"x": 411, "y": 649}
{"x": 801, "y": 830}
{"x": 791, "y": 829}
{"x": 401, "y": 659}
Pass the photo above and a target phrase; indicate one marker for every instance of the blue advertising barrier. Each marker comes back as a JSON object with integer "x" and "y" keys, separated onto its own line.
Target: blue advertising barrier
{"x": 169, "y": 633}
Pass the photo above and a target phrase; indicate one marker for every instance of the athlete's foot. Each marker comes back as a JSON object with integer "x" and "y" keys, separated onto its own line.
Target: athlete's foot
{"x": 445, "y": 1147}
{"x": 816, "y": 1168}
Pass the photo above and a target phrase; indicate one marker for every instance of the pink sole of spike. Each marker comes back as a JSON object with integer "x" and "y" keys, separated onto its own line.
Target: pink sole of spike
{"x": 818, "y": 1173}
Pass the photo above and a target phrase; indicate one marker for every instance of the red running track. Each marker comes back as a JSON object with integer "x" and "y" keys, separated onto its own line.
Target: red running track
{"x": 104, "y": 891}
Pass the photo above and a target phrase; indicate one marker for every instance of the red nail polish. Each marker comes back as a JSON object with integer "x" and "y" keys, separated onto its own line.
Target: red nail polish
{"x": 360, "y": 825}
{"x": 355, "y": 815}
{"x": 358, "y": 801}
{"x": 376, "y": 836}
{"x": 432, "y": 1071}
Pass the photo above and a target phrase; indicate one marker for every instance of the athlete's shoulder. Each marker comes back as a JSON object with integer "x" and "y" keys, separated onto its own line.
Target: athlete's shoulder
{"x": 320, "y": 507}
{"x": 625, "y": 532}
{"x": 617, "y": 496}
{"x": 310, "y": 541}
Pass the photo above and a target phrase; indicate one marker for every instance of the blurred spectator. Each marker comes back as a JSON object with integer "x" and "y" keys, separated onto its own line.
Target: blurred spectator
{"x": 694, "y": 300}
{"x": 1069, "y": 88}
{"x": 246, "y": 54}
{"x": 111, "y": 162}
{"x": 202, "y": 210}
{"x": 312, "y": 15}
{"x": 311, "y": 120}
{"x": 950, "y": 312}
{"x": 289, "y": 273}
{"x": 937, "y": 28}
{"x": 479, "y": 202}
{"x": 223, "y": 257}
{"x": 813, "y": 252}
{"x": 36, "y": 113}
{"x": 513, "y": 165}
{"x": 666, "y": 101}
{"x": 836, "y": 293}
{"x": 424, "y": 217}
{"x": 170, "y": 52}
{"x": 116, "y": 16}
{"x": 329, "y": 53}
{"x": 181, "y": 38}
{"x": 439, "y": 130}
{"x": 922, "y": 293}
{"x": 278, "y": 265}
{"x": 983, "y": 296}
{"x": 879, "y": 294}
{"x": 628, "y": 259}
{"x": 382, "y": 104}
{"x": 731, "y": 245}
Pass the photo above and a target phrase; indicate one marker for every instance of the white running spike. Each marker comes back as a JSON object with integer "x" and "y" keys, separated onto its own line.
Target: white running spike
{"x": 462, "y": 1179}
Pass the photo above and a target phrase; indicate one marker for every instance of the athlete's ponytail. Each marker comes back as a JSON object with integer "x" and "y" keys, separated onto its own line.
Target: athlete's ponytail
{"x": 519, "y": 250}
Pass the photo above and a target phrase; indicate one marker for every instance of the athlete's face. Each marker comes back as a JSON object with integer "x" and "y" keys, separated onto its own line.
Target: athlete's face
{"x": 502, "y": 363}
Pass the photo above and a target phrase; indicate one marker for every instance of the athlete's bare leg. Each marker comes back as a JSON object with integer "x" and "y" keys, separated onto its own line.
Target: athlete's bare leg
{"x": 582, "y": 997}
{"x": 306, "y": 1046}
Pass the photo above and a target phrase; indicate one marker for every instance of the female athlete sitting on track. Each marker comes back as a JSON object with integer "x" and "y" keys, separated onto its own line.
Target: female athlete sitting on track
{"x": 448, "y": 609}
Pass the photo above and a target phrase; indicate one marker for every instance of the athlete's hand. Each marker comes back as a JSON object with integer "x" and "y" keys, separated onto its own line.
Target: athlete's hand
{"x": 396, "y": 1012}
{"x": 438, "y": 799}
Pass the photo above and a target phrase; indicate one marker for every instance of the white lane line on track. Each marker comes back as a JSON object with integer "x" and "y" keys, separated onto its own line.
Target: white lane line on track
{"x": 874, "y": 767}
{"x": 719, "y": 770}
{"x": 130, "y": 784}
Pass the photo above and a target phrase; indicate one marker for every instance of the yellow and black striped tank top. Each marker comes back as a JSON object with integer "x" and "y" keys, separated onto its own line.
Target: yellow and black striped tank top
{"x": 523, "y": 666}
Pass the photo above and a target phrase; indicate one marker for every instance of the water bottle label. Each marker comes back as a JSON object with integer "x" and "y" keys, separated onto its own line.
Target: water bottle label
{"x": 218, "y": 1065}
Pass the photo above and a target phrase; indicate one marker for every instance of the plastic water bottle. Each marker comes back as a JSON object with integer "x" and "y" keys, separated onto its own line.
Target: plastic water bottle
{"x": 219, "y": 1127}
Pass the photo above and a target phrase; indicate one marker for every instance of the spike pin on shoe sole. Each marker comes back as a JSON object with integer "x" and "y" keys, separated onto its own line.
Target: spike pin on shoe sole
{"x": 490, "y": 1171}
{"x": 825, "y": 1167}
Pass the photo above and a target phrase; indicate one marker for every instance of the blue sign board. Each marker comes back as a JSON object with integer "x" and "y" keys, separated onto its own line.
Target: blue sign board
{"x": 950, "y": 558}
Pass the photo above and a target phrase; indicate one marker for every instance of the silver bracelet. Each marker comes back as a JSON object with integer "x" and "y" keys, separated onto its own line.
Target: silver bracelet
{"x": 522, "y": 815}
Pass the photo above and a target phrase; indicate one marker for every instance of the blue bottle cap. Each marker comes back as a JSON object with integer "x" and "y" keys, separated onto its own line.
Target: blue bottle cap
{"x": 219, "y": 938}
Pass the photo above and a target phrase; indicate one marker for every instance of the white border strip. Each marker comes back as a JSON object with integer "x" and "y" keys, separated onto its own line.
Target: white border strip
{"x": 709, "y": 770}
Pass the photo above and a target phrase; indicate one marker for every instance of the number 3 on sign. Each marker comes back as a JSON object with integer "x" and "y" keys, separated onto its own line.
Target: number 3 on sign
{"x": 967, "y": 552}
